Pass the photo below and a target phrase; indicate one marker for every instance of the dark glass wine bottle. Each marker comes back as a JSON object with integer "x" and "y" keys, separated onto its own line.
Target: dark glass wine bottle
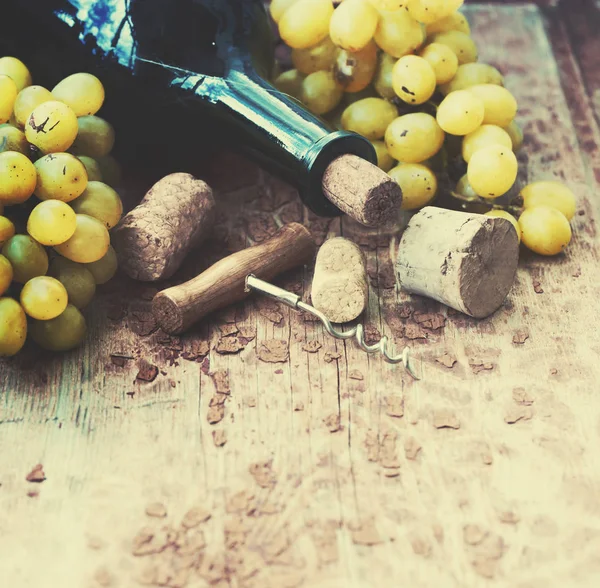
{"x": 181, "y": 76}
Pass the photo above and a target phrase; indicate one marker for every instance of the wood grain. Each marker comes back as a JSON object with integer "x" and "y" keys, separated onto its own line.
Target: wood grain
{"x": 317, "y": 465}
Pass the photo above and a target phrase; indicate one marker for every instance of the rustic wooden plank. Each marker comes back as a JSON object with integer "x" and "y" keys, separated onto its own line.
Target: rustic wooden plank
{"x": 490, "y": 472}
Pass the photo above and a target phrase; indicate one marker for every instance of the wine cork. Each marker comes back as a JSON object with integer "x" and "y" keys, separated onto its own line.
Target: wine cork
{"x": 340, "y": 285}
{"x": 466, "y": 261}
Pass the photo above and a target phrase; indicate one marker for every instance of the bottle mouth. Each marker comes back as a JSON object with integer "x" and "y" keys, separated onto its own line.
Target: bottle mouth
{"x": 318, "y": 158}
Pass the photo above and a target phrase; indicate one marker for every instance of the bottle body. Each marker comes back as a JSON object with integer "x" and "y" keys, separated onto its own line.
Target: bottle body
{"x": 181, "y": 76}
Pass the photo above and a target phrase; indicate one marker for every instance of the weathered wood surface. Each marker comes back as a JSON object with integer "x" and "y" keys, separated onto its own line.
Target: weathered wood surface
{"x": 329, "y": 468}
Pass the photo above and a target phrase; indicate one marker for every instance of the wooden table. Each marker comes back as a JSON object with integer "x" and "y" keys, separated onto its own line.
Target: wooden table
{"x": 296, "y": 460}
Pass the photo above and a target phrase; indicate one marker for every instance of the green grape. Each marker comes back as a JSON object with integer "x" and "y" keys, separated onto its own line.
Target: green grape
{"x": 500, "y": 104}
{"x": 384, "y": 160}
{"x": 6, "y": 274}
{"x": 544, "y": 230}
{"x": 13, "y": 327}
{"x": 51, "y": 127}
{"x": 83, "y": 92}
{"x": 551, "y": 194}
{"x": 443, "y": 61}
{"x": 305, "y": 23}
{"x": 414, "y": 137}
{"x": 105, "y": 268}
{"x": 484, "y": 136}
{"x": 63, "y": 333}
{"x": 317, "y": 58}
{"x": 17, "y": 177}
{"x": 289, "y": 82}
{"x": 111, "y": 170}
{"x": 28, "y": 100}
{"x": 427, "y": 11}
{"x": 383, "y": 76}
{"x": 60, "y": 176}
{"x": 453, "y": 22}
{"x": 354, "y": 71}
{"x": 320, "y": 94}
{"x": 100, "y": 201}
{"x": 95, "y": 137}
{"x": 7, "y": 230}
{"x": 464, "y": 188}
{"x": 418, "y": 183}
{"x": 507, "y": 216}
{"x": 460, "y": 113}
{"x": 492, "y": 171}
{"x": 8, "y": 95}
{"x": 89, "y": 242}
{"x": 51, "y": 222}
{"x": 77, "y": 279}
{"x": 12, "y": 139}
{"x": 398, "y": 33}
{"x": 369, "y": 117}
{"x": 27, "y": 257}
{"x": 353, "y": 24}
{"x": 461, "y": 43}
{"x": 278, "y": 7}
{"x": 472, "y": 74}
{"x": 17, "y": 70}
{"x": 92, "y": 168}
{"x": 44, "y": 298}
{"x": 516, "y": 135}
{"x": 413, "y": 79}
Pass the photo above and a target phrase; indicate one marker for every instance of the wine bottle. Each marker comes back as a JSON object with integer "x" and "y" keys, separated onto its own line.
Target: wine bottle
{"x": 181, "y": 74}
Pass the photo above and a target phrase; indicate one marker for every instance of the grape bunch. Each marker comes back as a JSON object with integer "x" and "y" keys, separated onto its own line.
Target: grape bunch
{"x": 57, "y": 206}
{"x": 405, "y": 75}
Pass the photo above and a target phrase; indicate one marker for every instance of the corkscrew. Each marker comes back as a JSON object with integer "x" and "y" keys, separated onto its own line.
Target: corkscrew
{"x": 357, "y": 332}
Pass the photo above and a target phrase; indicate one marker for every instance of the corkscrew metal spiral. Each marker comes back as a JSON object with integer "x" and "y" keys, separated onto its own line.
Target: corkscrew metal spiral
{"x": 357, "y": 332}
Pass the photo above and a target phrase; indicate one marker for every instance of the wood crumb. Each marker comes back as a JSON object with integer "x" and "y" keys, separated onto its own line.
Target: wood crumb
{"x": 520, "y": 337}
{"x": 404, "y": 311}
{"x": 485, "y": 567}
{"x": 388, "y": 451}
{"x": 521, "y": 396}
{"x": 251, "y": 402}
{"x": 103, "y": 577}
{"x": 391, "y": 473}
{"x": 219, "y": 437}
{"x": 299, "y": 407}
{"x": 411, "y": 448}
{"x": 242, "y": 501}
{"x": 446, "y": 360}
{"x": 147, "y": 372}
{"x": 365, "y": 534}
{"x": 372, "y": 445}
{"x": 355, "y": 375}
{"x": 215, "y": 414}
{"x": 263, "y": 474}
{"x": 311, "y": 346}
{"x": 553, "y": 371}
{"x": 509, "y": 517}
{"x": 195, "y": 516}
{"x": 197, "y": 349}
{"x": 577, "y": 273}
{"x": 487, "y": 458}
{"x": 247, "y": 333}
{"x": 193, "y": 542}
{"x": 217, "y": 399}
{"x": 332, "y": 356}
{"x": 332, "y": 422}
{"x": 272, "y": 315}
{"x": 221, "y": 381}
{"x": 228, "y": 329}
{"x": 119, "y": 360}
{"x": 156, "y": 509}
{"x": 421, "y": 546}
{"x": 537, "y": 287}
{"x": 474, "y": 534}
{"x": 414, "y": 332}
{"x": 229, "y": 345}
{"x": 274, "y": 351}
{"x": 394, "y": 406}
{"x": 33, "y": 493}
{"x": 445, "y": 419}
{"x": 480, "y": 365}
{"x": 150, "y": 541}
{"x": 372, "y": 334}
{"x": 518, "y": 413}
{"x": 430, "y": 320}
{"x": 36, "y": 475}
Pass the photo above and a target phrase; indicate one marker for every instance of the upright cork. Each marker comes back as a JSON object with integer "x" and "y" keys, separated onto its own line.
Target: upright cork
{"x": 361, "y": 190}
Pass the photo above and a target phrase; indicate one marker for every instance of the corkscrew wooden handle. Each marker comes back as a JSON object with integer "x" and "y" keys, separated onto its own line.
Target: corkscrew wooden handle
{"x": 176, "y": 309}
